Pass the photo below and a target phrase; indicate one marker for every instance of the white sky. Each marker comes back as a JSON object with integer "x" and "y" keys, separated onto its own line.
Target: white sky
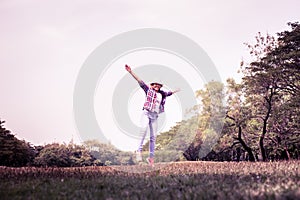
{"x": 44, "y": 43}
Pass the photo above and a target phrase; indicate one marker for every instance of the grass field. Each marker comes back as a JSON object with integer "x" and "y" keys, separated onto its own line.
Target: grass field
{"x": 182, "y": 180}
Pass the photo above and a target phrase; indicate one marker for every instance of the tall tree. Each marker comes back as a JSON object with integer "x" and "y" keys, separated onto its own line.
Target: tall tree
{"x": 261, "y": 84}
{"x": 286, "y": 56}
{"x": 14, "y": 152}
{"x": 272, "y": 79}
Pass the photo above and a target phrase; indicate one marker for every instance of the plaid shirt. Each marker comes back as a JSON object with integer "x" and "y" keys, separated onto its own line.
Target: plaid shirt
{"x": 151, "y": 98}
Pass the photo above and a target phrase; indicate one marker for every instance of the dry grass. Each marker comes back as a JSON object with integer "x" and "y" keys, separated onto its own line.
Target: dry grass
{"x": 181, "y": 180}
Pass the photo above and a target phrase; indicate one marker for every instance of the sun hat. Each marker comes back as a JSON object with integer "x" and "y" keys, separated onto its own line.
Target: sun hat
{"x": 156, "y": 81}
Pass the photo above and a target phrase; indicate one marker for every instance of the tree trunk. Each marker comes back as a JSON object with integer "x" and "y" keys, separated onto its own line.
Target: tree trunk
{"x": 264, "y": 131}
{"x": 245, "y": 146}
{"x": 288, "y": 156}
{"x": 261, "y": 142}
{"x": 238, "y": 154}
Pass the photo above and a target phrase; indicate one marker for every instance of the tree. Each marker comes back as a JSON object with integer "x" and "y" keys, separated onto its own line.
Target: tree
{"x": 211, "y": 116}
{"x": 261, "y": 84}
{"x": 238, "y": 118}
{"x": 108, "y": 154}
{"x": 62, "y": 155}
{"x": 286, "y": 120}
{"x": 263, "y": 111}
{"x": 271, "y": 83}
{"x": 14, "y": 152}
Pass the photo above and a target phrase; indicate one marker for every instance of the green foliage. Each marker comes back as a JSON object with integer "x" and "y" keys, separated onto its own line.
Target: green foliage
{"x": 210, "y": 139}
{"x": 108, "y": 154}
{"x": 271, "y": 86}
{"x": 61, "y": 155}
{"x": 198, "y": 134}
{"x": 170, "y": 145}
{"x": 17, "y": 153}
{"x": 14, "y": 152}
{"x": 263, "y": 111}
{"x": 212, "y": 107}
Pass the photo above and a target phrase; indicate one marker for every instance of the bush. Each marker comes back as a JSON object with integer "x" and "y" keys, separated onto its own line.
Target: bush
{"x": 60, "y": 155}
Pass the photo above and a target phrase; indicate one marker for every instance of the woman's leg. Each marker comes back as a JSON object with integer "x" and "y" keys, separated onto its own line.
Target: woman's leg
{"x": 153, "y": 133}
{"x": 143, "y": 129}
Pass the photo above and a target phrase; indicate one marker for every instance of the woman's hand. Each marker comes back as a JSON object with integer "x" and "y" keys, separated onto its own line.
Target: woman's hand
{"x": 177, "y": 90}
{"x": 128, "y": 68}
{"x": 132, "y": 74}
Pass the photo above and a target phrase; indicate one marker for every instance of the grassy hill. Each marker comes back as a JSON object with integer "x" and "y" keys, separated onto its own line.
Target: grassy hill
{"x": 178, "y": 180}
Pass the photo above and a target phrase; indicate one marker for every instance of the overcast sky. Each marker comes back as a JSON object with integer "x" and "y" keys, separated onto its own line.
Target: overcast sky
{"x": 43, "y": 45}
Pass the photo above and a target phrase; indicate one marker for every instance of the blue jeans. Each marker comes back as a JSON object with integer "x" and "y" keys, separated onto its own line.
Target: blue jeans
{"x": 148, "y": 121}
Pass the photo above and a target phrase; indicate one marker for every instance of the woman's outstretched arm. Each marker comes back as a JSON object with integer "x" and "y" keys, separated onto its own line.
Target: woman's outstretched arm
{"x": 128, "y": 68}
